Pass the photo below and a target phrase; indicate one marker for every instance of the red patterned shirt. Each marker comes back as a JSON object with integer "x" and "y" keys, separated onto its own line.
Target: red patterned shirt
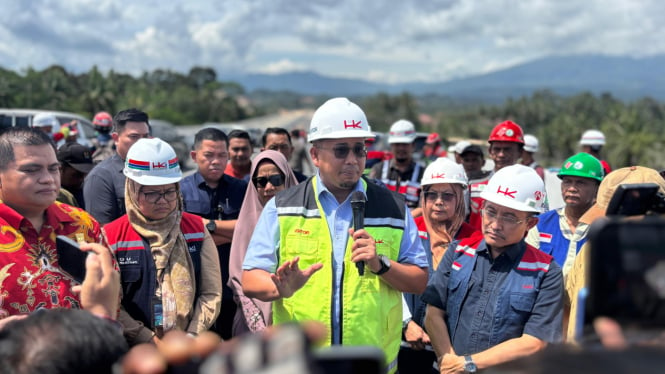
{"x": 30, "y": 277}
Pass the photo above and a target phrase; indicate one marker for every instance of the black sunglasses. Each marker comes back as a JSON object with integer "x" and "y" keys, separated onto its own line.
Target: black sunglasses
{"x": 275, "y": 179}
{"x": 342, "y": 150}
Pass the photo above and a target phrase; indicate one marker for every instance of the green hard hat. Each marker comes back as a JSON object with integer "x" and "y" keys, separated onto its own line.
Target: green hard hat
{"x": 582, "y": 165}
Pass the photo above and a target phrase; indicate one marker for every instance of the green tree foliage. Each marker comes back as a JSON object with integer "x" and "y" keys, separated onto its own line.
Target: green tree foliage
{"x": 634, "y": 131}
{"x": 383, "y": 110}
{"x": 193, "y": 98}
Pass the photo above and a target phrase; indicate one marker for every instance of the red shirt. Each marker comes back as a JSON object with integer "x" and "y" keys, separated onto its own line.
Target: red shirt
{"x": 230, "y": 171}
{"x": 464, "y": 231}
{"x": 30, "y": 277}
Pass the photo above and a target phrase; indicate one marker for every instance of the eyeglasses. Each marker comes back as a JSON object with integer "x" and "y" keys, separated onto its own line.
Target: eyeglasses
{"x": 492, "y": 215}
{"x": 275, "y": 179}
{"x": 153, "y": 197}
{"x": 433, "y": 196}
{"x": 342, "y": 151}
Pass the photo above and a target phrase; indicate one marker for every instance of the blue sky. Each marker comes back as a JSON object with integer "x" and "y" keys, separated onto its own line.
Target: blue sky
{"x": 384, "y": 41}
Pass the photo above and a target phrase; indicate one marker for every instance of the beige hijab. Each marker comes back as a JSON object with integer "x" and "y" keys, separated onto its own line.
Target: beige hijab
{"x": 175, "y": 270}
{"x": 441, "y": 234}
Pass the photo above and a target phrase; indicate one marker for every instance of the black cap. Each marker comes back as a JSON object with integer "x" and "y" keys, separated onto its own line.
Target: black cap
{"x": 77, "y": 156}
{"x": 474, "y": 149}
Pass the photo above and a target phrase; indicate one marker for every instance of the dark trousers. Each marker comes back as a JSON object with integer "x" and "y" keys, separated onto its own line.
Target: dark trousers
{"x": 223, "y": 326}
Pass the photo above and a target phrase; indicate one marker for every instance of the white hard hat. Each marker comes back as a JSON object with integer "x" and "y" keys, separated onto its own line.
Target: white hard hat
{"x": 517, "y": 187}
{"x": 592, "y": 137}
{"x": 339, "y": 118}
{"x": 444, "y": 170}
{"x": 461, "y": 146}
{"x": 152, "y": 162}
{"x": 402, "y": 131}
{"x": 46, "y": 119}
{"x": 530, "y": 143}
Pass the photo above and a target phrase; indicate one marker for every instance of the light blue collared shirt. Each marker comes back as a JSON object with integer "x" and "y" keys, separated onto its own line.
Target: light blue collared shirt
{"x": 263, "y": 247}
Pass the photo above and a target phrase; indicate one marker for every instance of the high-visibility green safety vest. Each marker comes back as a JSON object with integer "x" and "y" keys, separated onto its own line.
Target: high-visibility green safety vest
{"x": 371, "y": 310}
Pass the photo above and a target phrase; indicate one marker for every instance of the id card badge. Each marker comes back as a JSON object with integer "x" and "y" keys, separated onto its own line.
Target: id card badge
{"x": 158, "y": 313}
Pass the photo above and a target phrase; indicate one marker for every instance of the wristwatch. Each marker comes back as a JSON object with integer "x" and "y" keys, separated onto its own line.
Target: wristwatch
{"x": 469, "y": 365}
{"x": 405, "y": 323}
{"x": 211, "y": 226}
{"x": 385, "y": 264}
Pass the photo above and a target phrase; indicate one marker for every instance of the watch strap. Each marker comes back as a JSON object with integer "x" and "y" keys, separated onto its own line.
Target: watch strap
{"x": 211, "y": 226}
{"x": 383, "y": 268}
{"x": 469, "y": 365}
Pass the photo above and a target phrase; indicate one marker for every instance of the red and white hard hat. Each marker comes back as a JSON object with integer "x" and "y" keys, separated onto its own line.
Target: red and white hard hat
{"x": 402, "y": 131}
{"x": 339, "y": 118}
{"x": 530, "y": 143}
{"x": 152, "y": 162}
{"x": 507, "y": 131}
{"x": 433, "y": 138}
{"x": 444, "y": 170}
{"x": 102, "y": 120}
{"x": 517, "y": 187}
{"x": 592, "y": 137}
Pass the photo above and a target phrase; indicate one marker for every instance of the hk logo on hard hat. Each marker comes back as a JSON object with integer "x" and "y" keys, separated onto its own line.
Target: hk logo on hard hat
{"x": 538, "y": 195}
{"x": 568, "y": 165}
{"x": 159, "y": 165}
{"x": 352, "y": 125}
{"x": 439, "y": 176}
{"x": 507, "y": 192}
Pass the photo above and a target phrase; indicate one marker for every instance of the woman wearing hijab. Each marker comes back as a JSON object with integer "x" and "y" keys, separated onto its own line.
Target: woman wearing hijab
{"x": 168, "y": 261}
{"x": 270, "y": 174}
{"x": 443, "y": 202}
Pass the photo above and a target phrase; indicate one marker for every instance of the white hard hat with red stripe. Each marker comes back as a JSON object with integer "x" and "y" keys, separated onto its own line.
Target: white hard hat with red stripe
{"x": 339, "y": 118}
{"x": 402, "y": 131}
{"x": 444, "y": 170}
{"x": 517, "y": 187}
{"x": 592, "y": 138}
{"x": 152, "y": 162}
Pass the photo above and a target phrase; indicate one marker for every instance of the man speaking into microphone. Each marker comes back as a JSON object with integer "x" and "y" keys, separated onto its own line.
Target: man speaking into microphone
{"x": 304, "y": 249}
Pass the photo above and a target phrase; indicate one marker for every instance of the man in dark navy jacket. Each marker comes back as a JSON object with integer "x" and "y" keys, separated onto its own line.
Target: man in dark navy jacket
{"x": 217, "y": 198}
{"x": 495, "y": 298}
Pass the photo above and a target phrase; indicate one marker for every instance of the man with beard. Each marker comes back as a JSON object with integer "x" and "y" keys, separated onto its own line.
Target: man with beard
{"x": 240, "y": 153}
{"x": 495, "y": 298}
{"x": 305, "y": 256}
{"x": 401, "y": 174}
{"x": 559, "y": 232}
{"x": 217, "y": 198}
{"x": 506, "y": 143}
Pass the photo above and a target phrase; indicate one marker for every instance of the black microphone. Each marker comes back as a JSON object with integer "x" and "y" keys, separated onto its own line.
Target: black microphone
{"x": 358, "y": 206}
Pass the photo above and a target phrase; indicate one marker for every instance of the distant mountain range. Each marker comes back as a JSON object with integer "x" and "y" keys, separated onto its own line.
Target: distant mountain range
{"x": 624, "y": 77}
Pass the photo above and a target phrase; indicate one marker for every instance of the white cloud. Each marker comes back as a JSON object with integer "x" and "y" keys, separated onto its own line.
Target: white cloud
{"x": 282, "y": 66}
{"x": 395, "y": 41}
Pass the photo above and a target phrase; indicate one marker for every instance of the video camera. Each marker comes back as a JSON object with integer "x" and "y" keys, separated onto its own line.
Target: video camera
{"x": 626, "y": 274}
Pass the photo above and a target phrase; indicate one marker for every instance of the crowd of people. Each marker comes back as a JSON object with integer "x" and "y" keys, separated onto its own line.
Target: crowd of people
{"x": 441, "y": 264}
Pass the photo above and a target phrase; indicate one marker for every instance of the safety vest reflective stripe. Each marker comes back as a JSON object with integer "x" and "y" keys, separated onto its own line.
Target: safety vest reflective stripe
{"x": 308, "y": 237}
